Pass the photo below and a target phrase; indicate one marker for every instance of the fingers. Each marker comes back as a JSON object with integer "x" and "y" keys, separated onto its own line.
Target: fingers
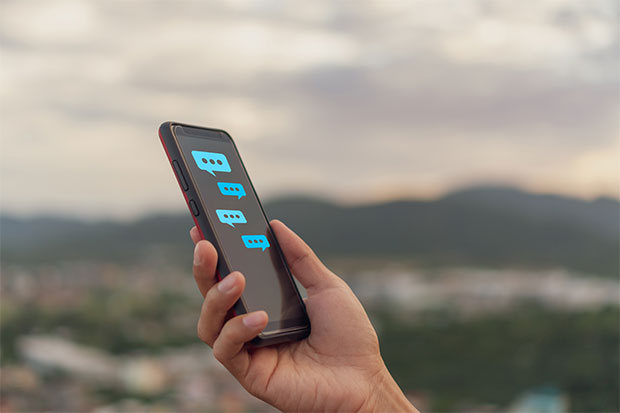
{"x": 205, "y": 261}
{"x": 195, "y": 235}
{"x": 218, "y": 301}
{"x": 302, "y": 261}
{"x": 228, "y": 348}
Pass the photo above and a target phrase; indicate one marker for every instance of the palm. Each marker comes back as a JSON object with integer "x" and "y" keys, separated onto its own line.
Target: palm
{"x": 341, "y": 350}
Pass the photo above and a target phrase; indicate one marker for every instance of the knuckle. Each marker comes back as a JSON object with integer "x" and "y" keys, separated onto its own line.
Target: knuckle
{"x": 198, "y": 272}
{"x": 218, "y": 354}
{"x": 202, "y": 332}
{"x": 212, "y": 299}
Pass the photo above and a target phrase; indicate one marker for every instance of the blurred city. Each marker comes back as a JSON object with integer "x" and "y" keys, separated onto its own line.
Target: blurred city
{"x": 455, "y": 162}
{"x": 102, "y": 316}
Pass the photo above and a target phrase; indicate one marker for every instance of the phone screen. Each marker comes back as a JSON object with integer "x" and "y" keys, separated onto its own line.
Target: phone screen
{"x": 242, "y": 231}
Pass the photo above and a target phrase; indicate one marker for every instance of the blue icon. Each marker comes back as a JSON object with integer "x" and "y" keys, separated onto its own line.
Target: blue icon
{"x": 231, "y": 189}
{"x": 231, "y": 216}
{"x": 211, "y": 162}
{"x": 255, "y": 241}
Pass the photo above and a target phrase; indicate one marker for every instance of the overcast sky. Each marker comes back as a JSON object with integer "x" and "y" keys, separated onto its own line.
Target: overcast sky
{"x": 355, "y": 101}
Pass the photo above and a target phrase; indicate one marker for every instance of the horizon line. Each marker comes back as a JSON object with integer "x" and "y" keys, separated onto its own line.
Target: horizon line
{"x": 62, "y": 215}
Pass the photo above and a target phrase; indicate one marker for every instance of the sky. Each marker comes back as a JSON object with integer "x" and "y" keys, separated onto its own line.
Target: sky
{"x": 352, "y": 101}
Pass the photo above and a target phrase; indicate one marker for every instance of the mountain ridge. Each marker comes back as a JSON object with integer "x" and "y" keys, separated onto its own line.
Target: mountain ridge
{"x": 487, "y": 226}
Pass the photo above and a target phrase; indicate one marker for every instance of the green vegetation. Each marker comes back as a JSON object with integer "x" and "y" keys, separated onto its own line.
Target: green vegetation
{"x": 493, "y": 358}
{"x": 117, "y": 322}
{"x": 457, "y": 362}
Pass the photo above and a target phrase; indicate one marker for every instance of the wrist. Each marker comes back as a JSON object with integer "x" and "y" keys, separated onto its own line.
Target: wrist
{"x": 388, "y": 397}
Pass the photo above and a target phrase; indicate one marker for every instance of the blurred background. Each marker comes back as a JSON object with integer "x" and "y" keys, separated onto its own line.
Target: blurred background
{"x": 456, "y": 162}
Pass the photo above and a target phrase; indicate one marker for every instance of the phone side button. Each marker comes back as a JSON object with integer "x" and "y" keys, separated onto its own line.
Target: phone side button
{"x": 194, "y": 207}
{"x": 177, "y": 170}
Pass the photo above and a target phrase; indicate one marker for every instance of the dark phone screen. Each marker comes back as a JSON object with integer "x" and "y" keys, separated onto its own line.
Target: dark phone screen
{"x": 243, "y": 234}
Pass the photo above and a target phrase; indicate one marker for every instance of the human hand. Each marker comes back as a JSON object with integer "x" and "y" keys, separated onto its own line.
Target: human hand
{"x": 338, "y": 367}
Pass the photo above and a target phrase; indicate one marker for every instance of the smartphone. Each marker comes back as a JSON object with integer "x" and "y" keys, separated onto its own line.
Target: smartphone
{"x": 227, "y": 212}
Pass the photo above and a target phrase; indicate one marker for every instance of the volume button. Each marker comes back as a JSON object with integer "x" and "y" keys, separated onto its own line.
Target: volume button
{"x": 194, "y": 207}
{"x": 177, "y": 171}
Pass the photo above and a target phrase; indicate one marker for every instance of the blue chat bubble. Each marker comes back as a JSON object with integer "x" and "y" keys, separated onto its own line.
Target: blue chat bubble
{"x": 231, "y": 216}
{"x": 231, "y": 189}
{"x": 211, "y": 162}
{"x": 255, "y": 241}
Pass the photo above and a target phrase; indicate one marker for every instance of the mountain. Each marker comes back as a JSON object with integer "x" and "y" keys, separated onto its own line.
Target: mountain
{"x": 485, "y": 226}
{"x": 599, "y": 215}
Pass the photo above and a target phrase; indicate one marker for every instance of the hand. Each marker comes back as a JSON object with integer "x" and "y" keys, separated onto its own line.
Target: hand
{"x": 338, "y": 367}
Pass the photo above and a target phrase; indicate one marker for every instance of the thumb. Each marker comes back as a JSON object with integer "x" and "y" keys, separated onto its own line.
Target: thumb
{"x": 302, "y": 261}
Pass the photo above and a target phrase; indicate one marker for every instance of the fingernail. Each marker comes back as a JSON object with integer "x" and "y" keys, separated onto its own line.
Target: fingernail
{"x": 227, "y": 284}
{"x": 196, "y": 255}
{"x": 254, "y": 320}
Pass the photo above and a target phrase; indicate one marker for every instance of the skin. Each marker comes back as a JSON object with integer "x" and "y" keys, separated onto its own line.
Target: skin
{"x": 338, "y": 367}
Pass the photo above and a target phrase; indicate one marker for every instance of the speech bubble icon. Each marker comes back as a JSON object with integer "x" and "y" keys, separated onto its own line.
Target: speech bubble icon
{"x": 211, "y": 162}
{"x": 255, "y": 241}
{"x": 231, "y": 216}
{"x": 231, "y": 189}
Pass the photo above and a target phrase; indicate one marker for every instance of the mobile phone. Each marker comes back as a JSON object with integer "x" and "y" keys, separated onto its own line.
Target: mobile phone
{"x": 227, "y": 212}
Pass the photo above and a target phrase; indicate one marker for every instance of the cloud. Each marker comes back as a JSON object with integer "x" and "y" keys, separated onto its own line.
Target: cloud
{"x": 393, "y": 98}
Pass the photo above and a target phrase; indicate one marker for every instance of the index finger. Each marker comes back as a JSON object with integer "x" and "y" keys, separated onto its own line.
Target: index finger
{"x": 195, "y": 235}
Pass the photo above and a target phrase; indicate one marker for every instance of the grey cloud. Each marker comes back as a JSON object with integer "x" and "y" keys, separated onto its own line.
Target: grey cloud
{"x": 518, "y": 101}
{"x": 403, "y": 113}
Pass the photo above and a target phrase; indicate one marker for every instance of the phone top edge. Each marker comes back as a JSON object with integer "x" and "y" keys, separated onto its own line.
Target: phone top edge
{"x": 169, "y": 125}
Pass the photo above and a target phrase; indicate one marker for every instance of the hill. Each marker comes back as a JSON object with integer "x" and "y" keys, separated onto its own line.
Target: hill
{"x": 485, "y": 226}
